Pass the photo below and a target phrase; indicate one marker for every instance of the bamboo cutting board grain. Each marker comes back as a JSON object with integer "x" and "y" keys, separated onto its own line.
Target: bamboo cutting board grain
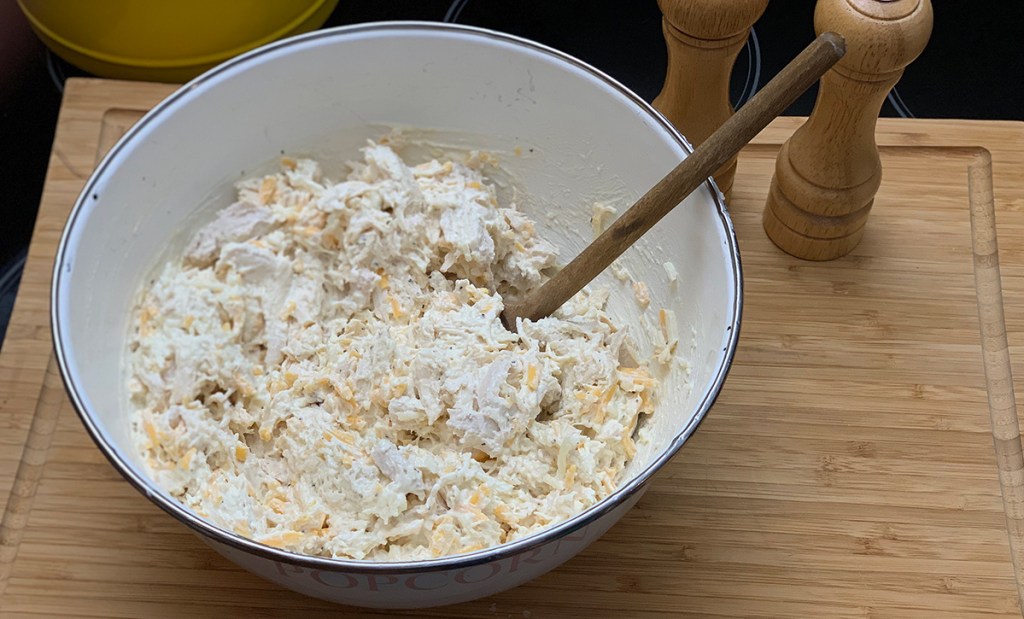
{"x": 847, "y": 469}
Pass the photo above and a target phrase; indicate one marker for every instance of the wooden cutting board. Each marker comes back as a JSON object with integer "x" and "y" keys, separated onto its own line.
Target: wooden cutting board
{"x": 847, "y": 469}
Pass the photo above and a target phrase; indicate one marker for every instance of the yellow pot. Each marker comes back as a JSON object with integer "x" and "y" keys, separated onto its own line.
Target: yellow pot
{"x": 166, "y": 40}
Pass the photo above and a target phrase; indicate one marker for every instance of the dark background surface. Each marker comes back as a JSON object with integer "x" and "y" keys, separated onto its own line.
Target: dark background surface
{"x": 973, "y": 68}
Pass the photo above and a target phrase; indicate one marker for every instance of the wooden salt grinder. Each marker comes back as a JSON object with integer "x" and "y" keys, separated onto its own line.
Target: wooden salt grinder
{"x": 703, "y": 38}
{"x": 827, "y": 173}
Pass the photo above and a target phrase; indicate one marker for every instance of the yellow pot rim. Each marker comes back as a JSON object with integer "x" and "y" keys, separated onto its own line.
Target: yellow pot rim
{"x": 209, "y": 59}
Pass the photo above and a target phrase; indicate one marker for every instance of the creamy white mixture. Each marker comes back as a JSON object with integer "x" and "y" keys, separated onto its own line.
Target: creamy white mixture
{"x": 325, "y": 370}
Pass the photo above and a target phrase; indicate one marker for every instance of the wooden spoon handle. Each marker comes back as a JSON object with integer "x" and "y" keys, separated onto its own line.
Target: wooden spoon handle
{"x": 723, "y": 144}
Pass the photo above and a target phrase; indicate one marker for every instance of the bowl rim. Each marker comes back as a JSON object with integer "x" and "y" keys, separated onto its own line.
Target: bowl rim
{"x": 214, "y": 532}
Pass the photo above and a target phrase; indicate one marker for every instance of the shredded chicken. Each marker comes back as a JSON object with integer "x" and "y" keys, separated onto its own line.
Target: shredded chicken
{"x": 324, "y": 369}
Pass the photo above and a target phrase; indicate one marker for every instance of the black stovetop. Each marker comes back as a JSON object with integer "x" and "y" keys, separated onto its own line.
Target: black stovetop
{"x": 973, "y": 68}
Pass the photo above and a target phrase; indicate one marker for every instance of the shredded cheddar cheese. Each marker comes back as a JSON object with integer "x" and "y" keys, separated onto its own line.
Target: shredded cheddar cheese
{"x": 531, "y": 377}
{"x": 187, "y": 459}
{"x": 396, "y": 308}
{"x": 324, "y": 369}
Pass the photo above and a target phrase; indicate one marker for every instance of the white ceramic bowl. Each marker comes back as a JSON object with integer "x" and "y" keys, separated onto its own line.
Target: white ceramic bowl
{"x": 581, "y": 137}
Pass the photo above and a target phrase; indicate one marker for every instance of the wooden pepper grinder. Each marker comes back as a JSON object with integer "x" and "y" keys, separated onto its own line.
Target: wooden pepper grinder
{"x": 703, "y": 38}
{"x": 827, "y": 173}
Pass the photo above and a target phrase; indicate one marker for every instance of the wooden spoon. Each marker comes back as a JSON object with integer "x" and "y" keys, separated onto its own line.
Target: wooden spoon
{"x": 720, "y": 146}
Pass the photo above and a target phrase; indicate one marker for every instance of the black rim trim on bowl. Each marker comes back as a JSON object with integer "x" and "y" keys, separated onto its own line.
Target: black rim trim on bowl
{"x": 486, "y": 555}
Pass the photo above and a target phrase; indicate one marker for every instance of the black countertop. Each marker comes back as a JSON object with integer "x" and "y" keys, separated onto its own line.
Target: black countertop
{"x": 973, "y": 67}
